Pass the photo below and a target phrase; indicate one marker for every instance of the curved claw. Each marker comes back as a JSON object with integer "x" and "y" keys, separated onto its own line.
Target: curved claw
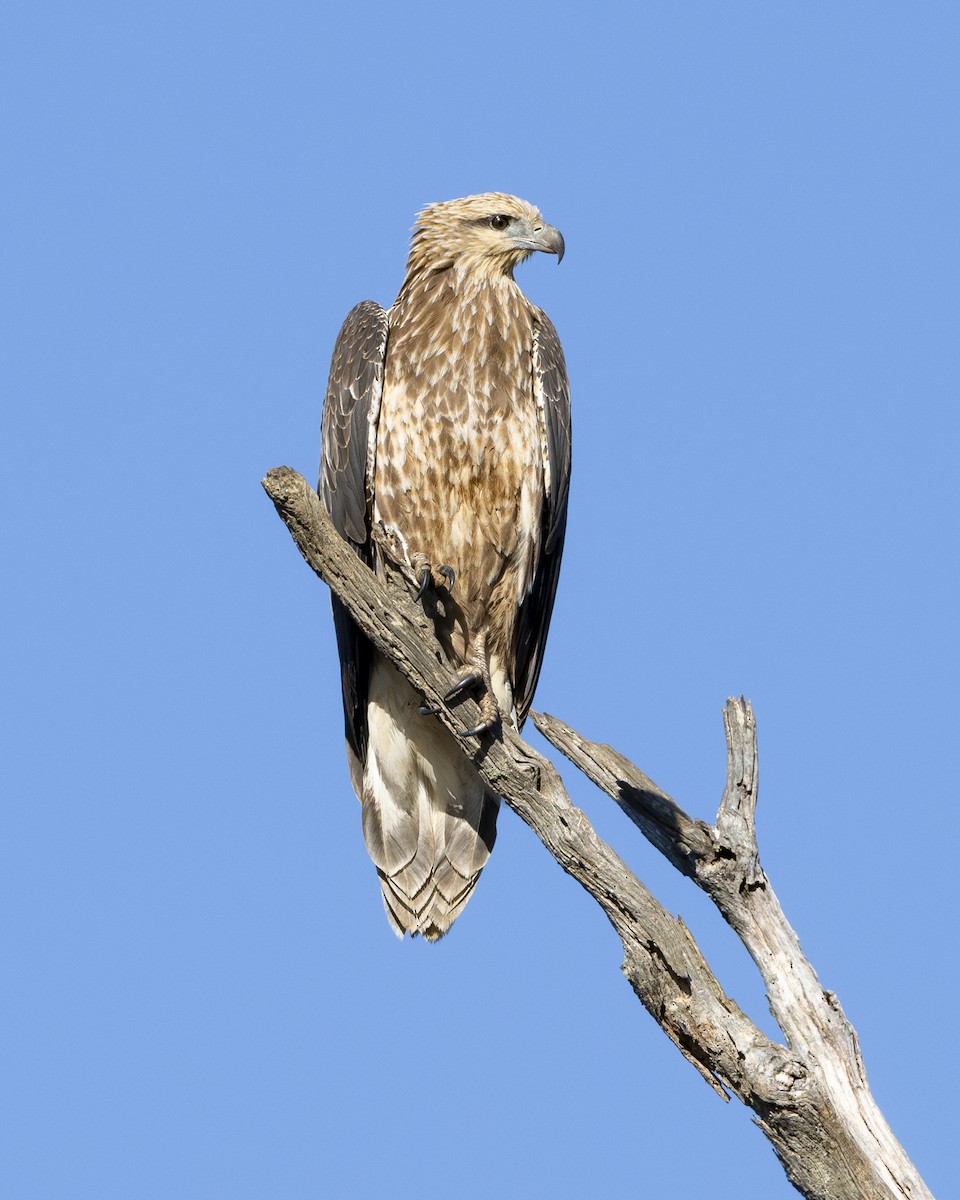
{"x": 449, "y": 576}
{"x": 457, "y": 688}
{"x": 468, "y": 681}
{"x": 483, "y": 727}
{"x": 424, "y": 583}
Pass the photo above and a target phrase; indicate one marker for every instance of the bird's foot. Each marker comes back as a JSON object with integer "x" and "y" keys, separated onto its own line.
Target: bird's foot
{"x": 467, "y": 680}
{"x": 473, "y": 676}
{"x": 489, "y": 715}
{"x": 439, "y": 578}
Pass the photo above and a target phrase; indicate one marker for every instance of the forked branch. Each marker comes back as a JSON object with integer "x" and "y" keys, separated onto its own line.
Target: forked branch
{"x": 810, "y": 1095}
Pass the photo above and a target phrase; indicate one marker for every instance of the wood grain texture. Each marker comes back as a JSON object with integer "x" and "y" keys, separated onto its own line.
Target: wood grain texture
{"x": 810, "y": 1095}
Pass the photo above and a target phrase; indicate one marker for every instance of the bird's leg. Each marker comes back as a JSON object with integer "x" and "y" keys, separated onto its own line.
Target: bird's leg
{"x": 439, "y": 578}
{"x": 475, "y": 673}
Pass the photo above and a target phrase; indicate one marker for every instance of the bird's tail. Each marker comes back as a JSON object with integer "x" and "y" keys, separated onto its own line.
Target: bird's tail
{"x": 428, "y": 822}
{"x": 425, "y": 894}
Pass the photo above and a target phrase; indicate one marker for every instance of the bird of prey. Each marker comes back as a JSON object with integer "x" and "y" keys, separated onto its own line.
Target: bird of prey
{"x": 446, "y": 456}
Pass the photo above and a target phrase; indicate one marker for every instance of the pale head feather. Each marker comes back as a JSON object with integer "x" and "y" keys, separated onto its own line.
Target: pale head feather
{"x": 462, "y": 234}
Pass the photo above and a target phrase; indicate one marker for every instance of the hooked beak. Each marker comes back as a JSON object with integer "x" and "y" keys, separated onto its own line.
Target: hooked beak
{"x": 540, "y": 236}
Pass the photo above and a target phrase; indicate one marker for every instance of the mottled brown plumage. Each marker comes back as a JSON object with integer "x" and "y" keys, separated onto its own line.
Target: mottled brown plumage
{"x": 446, "y": 446}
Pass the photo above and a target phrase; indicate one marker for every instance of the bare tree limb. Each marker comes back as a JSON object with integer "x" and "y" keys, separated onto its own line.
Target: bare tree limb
{"x": 723, "y": 859}
{"x": 810, "y": 1097}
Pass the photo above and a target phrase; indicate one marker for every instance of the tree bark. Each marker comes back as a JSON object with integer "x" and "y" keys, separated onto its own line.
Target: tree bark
{"x": 810, "y": 1095}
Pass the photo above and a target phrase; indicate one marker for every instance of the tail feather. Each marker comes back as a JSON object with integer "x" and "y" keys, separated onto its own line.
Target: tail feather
{"x": 428, "y": 822}
{"x": 468, "y": 837}
{"x": 428, "y": 892}
{"x": 434, "y": 908}
{"x": 401, "y": 843}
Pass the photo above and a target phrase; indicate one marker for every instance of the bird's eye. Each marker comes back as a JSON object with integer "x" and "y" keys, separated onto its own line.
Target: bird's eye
{"x": 499, "y": 221}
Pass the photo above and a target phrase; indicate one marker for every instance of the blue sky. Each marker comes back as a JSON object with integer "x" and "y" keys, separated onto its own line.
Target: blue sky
{"x": 759, "y": 306}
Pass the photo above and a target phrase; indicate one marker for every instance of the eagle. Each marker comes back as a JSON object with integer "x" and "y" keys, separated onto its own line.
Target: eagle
{"x": 446, "y": 457}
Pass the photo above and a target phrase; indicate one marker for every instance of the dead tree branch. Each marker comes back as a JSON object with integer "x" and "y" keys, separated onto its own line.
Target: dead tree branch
{"x": 810, "y": 1096}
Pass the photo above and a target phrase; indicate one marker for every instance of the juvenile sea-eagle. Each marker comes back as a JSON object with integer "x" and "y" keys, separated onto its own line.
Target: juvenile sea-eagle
{"x": 446, "y": 451}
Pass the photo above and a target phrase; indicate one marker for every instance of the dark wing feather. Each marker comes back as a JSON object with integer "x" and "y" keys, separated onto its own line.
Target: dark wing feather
{"x": 351, "y": 404}
{"x": 533, "y": 619}
{"x": 351, "y": 408}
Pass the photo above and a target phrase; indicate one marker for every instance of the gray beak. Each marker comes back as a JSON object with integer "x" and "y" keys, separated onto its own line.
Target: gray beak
{"x": 552, "y": 240}
{"x": 540, "y": 237}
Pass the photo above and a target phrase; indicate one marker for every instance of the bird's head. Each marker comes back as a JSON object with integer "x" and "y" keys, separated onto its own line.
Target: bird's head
{"x": 488, "y": 235}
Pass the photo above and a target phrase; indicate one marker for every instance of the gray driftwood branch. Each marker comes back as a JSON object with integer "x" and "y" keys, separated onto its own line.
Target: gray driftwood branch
{"x": 810, "y": 1095}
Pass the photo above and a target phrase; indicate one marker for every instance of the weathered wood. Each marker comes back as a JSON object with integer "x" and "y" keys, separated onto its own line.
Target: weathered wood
{"x": 723, "y": 859}
{"x": 810, "y": 1097}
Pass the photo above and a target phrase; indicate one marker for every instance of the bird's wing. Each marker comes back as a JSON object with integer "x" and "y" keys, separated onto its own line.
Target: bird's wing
{"x": 351, "y": 409}
{"x": 552, "y": 391}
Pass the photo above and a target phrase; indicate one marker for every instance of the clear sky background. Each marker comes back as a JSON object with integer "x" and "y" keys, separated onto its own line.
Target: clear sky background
{"x": 759, "y": 306}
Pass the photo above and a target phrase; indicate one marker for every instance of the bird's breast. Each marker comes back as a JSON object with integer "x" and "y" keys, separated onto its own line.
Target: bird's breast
{"x": 459, "y": 464}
